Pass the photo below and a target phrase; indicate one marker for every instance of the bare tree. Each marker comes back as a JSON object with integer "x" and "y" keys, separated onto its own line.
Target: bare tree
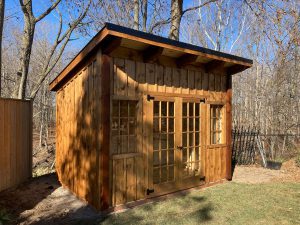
{"x": 61, "y": 40}
{"x": 136, "y": 4}
{"x": 152, "y": 14}
{"x": 57, "y": 49}
{"x": 2, "y": 9}
{"x": 145, "y": 14}
{"x": 221, "y": 24}
{"x": 121, "y": 12}
{"x": 267, "y": 31}
{"x": 177, "y": 13}
{"x": 29, "y": 27}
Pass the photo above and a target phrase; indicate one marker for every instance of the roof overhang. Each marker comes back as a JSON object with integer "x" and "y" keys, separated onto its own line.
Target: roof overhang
{"x": 150, "y": 47}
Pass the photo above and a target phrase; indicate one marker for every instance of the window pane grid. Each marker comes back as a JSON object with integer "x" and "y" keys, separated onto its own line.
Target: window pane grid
{"x": 216, "y": 127}
{"x": 191, "y": 134}
{"x": 163, "y": 142}
{"x": 123, "y": 126}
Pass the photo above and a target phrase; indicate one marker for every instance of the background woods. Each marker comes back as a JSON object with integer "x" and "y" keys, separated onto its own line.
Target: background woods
{"x": 39, "y": 39}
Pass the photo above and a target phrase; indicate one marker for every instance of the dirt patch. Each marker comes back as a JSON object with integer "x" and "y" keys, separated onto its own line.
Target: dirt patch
{"x": 254, "y": 174}
{"x": 43, "y": 201}
{"x": 289, "y": 172}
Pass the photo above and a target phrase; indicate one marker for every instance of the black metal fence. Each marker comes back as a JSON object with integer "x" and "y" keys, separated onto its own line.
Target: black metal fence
{"x": 244, "y": 145}
{"x": 250, "y": 146}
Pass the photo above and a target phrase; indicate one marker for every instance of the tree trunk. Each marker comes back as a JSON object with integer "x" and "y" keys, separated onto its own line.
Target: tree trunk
{"x": 176, "y": 15}
{"x": 2, "y": 9}
{"x": 136, "y": 14}
{"x": 219, "y": 26}
{"x": 29, "y": 27}
{"x": 145, "y": 15}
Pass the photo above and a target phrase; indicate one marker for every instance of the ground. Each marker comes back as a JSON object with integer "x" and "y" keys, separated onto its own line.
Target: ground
{"x": 43, "y": 156}
{"x": 255, "y": 196}
{"x": 288, "y": 172}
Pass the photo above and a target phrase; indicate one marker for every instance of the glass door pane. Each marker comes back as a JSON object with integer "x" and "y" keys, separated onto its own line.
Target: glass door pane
{"x": 163, "y": 142}
{"x": 191, "y": 141}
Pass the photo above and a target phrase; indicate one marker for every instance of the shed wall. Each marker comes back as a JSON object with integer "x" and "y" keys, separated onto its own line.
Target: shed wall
{"x": 134, "y": 80}
{"x": 78, "y": 132}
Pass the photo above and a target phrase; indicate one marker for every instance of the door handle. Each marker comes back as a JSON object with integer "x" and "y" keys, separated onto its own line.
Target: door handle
{"x": 179, "y": 147}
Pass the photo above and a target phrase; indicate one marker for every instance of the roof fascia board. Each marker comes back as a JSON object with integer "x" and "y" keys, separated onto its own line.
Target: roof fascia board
{"x": 172, "y": 47}
{"x": 173, "y": 43}
{"x": 154, "y": 40}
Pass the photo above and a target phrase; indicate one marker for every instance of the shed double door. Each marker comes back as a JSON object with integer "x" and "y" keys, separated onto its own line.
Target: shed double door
{"x": 175, "y": 149}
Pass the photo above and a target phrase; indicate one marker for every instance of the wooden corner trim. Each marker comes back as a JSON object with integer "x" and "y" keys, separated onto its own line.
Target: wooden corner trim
{"x": 105, "y": 130}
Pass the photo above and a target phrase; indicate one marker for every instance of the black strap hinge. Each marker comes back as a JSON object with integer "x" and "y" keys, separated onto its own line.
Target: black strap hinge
{"x": 150, "y": 98}
{"x": 149, "y": 191}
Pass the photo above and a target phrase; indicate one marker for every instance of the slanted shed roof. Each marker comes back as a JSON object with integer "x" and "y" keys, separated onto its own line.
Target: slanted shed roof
{"x": 150, "y": 46}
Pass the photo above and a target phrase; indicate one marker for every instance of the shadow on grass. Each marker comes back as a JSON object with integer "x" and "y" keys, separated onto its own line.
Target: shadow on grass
{"x": 182, "y": 209}
{"x": 204, "y": 213}
{"x": 233, "y": 165}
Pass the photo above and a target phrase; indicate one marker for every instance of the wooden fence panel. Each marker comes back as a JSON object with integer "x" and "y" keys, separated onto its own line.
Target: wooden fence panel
{"x": 15, "y": 142}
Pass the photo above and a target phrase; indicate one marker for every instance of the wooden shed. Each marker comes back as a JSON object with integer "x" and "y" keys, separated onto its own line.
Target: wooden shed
{"x": 140, "y": 115}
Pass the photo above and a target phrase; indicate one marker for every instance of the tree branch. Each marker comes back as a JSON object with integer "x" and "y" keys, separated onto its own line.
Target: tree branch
{"x": 205, "y": 31}
{"x": 197, "y": 7}
{"x": 48, "y": 70}
{"x": 53, "y": 6}
{"x": 27, "y": 8}
{"x": 65, "y": 38}
{"x": 240, "y": 33}
{"x": 167, "y": 21}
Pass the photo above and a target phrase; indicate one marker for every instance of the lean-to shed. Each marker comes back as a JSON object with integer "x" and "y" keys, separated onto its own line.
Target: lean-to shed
{"x": 140, "y": 115}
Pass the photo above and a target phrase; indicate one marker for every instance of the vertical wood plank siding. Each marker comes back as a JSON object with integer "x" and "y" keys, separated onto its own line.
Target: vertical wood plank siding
{"x": 78, "y": 132}
{"x": 15, "y": 142}
{"x": 134, "y": 80}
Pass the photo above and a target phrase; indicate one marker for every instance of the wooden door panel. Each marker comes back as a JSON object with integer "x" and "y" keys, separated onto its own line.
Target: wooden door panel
{"x": 119, "y": 182}
{"x": 127, "y": 179}
{"x": 130, "y": 180}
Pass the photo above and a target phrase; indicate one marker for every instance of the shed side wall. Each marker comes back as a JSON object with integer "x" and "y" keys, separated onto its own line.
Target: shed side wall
{"x": 78, "y": 127}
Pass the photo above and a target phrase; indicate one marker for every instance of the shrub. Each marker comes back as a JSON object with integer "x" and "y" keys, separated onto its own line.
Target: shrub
{"x": 4, "y": 217}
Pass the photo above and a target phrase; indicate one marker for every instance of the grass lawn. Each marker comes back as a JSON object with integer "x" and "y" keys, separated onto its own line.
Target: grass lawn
{"x": 229, "y": 203}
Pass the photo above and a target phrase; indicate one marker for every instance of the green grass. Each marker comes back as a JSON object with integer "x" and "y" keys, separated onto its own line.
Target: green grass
{"x": 230, "y": 203}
